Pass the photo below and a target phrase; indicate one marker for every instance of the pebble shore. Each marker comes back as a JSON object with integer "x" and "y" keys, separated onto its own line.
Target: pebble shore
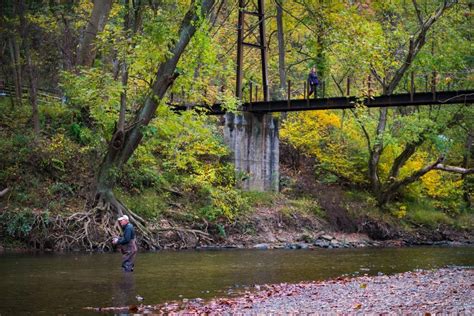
{"x": 443, "y": 291}
{"x": 447, "y": 291}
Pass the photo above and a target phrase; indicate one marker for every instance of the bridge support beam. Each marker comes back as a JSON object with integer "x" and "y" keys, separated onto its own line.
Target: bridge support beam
{"x": 254, "y": 142}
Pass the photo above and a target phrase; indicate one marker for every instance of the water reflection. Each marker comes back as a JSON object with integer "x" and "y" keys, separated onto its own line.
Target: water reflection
{"x": 123, "y": 290}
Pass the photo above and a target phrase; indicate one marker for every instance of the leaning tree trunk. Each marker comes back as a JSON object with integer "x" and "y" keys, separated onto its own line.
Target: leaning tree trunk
{"x": 125, "y": 141}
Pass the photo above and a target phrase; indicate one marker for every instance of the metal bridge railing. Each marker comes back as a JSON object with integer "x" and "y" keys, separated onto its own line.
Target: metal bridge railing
{"x": 367, "y": 86}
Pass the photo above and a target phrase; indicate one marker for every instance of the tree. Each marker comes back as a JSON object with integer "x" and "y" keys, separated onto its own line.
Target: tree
{"x": 416, "y": 43}
{"x": 126, "y": 139}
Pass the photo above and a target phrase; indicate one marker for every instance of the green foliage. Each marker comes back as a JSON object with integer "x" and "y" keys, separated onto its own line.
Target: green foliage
{"x": 149, "y": 203}
{"x": 258, "y": 199}
{"x": 61, "y": 189}
{"x": 305, "y": 205}
{"x": 57, "y": 153}
{"x": 54, "y": 114}
{"x": 223, "y": 203}
{"x": 81, "y": 134}
{"x": 465, "y": 221}
{"x": 19, "y": 223}
{"x": 96, "y": 92}
{"x": 429, "y": 218}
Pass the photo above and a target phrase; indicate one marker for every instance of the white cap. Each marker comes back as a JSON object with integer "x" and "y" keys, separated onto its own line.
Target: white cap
{"x": 124, "y": 217}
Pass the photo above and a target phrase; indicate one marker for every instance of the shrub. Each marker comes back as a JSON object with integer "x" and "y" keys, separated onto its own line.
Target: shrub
{"x": 223, "y": 203}
{"x": 19, "y": 223}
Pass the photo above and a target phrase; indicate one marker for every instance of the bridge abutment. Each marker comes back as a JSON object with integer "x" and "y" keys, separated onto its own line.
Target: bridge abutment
{"x": 254, "y": 141}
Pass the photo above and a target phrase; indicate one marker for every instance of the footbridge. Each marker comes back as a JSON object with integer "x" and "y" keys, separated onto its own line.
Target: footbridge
{"x": 252, "y": 131}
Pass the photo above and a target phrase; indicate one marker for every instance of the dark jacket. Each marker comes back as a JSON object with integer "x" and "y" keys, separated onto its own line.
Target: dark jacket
{"x": 128, "y": 234}
{"x": 313, "y": 79}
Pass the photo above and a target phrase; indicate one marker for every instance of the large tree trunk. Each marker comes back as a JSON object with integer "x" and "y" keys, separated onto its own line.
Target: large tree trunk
{"x": 125, "y": 141}
{"x": 86, "y": 51}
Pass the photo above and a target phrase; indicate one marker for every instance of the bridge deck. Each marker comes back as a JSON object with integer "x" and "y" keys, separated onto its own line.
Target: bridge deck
{"x": 421, "y": 98}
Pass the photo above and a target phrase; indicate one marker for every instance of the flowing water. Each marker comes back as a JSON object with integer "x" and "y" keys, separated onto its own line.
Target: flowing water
{"x": 53, "y": 284}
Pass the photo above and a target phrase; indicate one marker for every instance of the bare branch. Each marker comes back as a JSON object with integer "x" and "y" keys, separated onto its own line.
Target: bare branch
{"x": 376, "y": 75}
{"x": 454, "y": 169}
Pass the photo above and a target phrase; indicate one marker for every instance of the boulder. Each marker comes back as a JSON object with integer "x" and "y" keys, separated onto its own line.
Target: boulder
{"x": 326, "y": 237}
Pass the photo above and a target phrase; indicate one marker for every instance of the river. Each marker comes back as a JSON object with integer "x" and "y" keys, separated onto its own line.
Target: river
{"x": 65, "y": 283}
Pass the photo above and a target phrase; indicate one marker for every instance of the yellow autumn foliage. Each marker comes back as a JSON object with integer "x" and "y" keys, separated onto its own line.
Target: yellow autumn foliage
{"x": 318, "y": 134}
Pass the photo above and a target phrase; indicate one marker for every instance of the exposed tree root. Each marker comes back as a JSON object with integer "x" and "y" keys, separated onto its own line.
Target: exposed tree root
{"x": 187, "y": 237}
{"x": 93, "y": 230}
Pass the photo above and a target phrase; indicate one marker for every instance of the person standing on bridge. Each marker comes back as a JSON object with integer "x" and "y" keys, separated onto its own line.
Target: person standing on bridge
{"x": 128, "y": 245}
{"x": 313, "y": 82}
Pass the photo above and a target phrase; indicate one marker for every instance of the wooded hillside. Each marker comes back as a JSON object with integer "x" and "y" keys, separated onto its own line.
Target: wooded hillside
{"x": 88, "y": 131}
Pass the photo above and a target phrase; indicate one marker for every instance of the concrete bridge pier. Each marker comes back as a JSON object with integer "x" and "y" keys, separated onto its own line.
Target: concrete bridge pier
{"x": 254, "y": 142}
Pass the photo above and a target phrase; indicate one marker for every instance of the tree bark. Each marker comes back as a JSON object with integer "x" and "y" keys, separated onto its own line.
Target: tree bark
{"x": 403, "y": 158}
{"x": 376, "y": 152}
{"x": 86, "y": 51}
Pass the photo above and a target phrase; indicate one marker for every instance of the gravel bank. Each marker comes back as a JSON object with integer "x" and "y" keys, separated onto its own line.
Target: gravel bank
{"x": 448, "y": 291}
{"x": 443, "y": 291}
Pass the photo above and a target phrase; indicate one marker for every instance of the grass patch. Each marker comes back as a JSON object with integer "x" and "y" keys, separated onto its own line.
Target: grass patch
{"x": 256, "y": 199}
{"x": 429, "y": 218}
{"x": 464, "y": 221}
{"x": 304, "y": 206}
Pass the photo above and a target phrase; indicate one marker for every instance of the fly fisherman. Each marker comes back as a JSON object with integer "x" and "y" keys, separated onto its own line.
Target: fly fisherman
{"x": 127, "y": 243}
